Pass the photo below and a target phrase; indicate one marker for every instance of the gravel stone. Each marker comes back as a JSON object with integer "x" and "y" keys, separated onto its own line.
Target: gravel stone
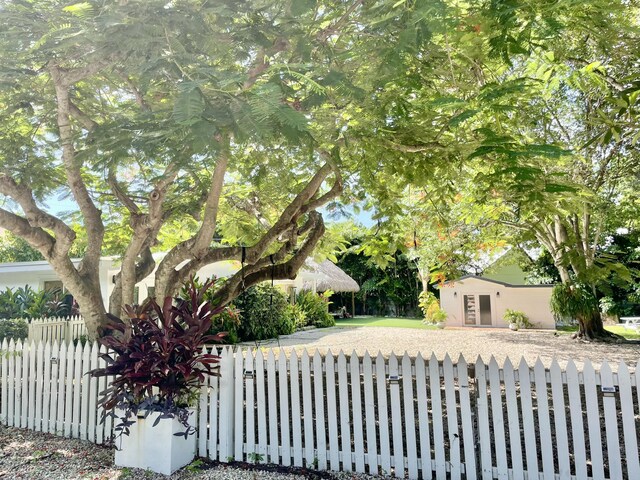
{"x": 25, "y": 454}
{"x": 470, "y": 342}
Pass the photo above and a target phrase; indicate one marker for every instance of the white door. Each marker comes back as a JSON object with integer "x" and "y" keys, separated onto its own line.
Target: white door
{"x": 477, "y": 309}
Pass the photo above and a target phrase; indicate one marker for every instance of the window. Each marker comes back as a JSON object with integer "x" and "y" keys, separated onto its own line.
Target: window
{"x": 54, "y": 286}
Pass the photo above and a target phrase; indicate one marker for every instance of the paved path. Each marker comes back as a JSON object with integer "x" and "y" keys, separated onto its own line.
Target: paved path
{"x": 469, "y": 342}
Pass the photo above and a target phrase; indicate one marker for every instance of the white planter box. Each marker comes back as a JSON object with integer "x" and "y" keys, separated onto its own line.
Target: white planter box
{"x": 156, "y": 448}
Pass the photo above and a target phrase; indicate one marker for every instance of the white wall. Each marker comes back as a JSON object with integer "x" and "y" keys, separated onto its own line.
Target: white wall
{"x": 532, "y": 300}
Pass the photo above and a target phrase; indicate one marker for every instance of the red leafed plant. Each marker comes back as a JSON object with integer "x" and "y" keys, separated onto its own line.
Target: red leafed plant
{"x": 156, "y": 356}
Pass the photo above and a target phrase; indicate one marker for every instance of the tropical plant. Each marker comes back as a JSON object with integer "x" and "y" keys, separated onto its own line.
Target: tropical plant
{"x": 425, "y": 300}
{"x": 157, "y": 360}
{"x": 430, "y": 307}
{"x": 315, "y": 308}
{"x": 297, "y": 315}
{"x": 25, "y": 302}
{"x": 517, "y": 318}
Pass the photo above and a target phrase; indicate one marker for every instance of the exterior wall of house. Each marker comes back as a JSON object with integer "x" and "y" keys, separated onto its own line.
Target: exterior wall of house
{"x": 36, "y": 274}
{"x": 532, "y": 300}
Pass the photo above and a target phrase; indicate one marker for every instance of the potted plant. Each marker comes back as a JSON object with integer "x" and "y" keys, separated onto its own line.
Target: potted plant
{"x": 439, "y": 317}
{"x": 516, "y": 319}
{"x": 157, "y": 360}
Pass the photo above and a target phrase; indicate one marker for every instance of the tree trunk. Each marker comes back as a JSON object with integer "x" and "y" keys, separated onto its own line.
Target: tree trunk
{"x": 93, "y": 312}
{"x": 592, "y": 327}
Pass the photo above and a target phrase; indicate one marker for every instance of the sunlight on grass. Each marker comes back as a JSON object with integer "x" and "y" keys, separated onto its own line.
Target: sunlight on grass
{"x": 384, "y": 322}
{"x": 618, "y": 329}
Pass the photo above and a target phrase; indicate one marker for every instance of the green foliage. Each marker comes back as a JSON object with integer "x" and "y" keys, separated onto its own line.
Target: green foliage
{"x": 298, "y": 315}
{"x": 13, "y": 328}
{"x": 425, "y": 300}
{"x": 254, "y": 457}
{"x": 263, "y": 311}
{"x": 573, "y": 301}
{"x": 518, "y": 318}
{"x": 431, "y": 310}
{"x": 315, "y": 308}
{"x": 25, "y": 302}
{"x": 391, "y": 288}
{"x": 16, "y": 249}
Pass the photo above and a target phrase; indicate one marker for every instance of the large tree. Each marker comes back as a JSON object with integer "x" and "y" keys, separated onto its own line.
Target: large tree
{"x": 529, "y": 111}
{"x": 151, "y": 115}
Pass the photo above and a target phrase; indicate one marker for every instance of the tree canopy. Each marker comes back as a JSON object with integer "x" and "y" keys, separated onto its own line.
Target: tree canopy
{"x": 218, "y": 130}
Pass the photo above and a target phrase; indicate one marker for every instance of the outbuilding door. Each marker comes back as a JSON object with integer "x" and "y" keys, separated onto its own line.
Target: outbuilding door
{"x": 477, "y": 309}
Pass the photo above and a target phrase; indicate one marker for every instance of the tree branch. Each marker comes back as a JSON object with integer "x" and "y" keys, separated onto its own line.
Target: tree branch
{"x": 62, "y": 80}
{"x": 82, "y": 117}
{"x": 287, "y": 270}
{"x": 36, "y": 217}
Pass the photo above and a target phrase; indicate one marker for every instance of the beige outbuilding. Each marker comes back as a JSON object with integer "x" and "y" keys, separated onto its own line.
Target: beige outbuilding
{"x": 472, "y": 301}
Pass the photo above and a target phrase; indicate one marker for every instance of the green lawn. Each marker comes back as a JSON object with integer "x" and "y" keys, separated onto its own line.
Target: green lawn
{"x": 383, "y": 322}
{"x": 417, "y": 323}
{"x": 619, "y": 329}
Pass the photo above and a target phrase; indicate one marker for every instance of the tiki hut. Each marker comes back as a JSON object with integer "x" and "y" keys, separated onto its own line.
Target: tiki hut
{"x": 320, "y": 277}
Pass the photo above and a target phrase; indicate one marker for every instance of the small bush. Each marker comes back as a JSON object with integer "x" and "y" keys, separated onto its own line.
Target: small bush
{"x": 13, "y": 328}
{"x": 520, "y": 319}
{"x": 263, "y": 313}
{"x": 316, "y": 309}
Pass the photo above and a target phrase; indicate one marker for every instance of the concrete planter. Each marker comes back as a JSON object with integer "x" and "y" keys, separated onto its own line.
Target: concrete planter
{"x": 156, "y": 448}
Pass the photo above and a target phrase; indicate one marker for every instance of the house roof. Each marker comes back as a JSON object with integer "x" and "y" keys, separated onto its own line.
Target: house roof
{"x": 505, "y": 284}
{"x": 327, "y": 276}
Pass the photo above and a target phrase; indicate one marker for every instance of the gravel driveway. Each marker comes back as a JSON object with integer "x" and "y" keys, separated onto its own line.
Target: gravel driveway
{"x": 471, "y": 342}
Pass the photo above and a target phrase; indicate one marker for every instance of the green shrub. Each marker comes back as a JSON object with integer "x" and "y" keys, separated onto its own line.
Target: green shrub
{"x": 520, "y": 319}
{"x": 228, "y": 322}
{"x": 297, "y": 315}
{"x": 263, "y": 313}
{"x": 426, "y": 300}
{"x": 431, "y": 310}
{"x": 25, "y": 302}
{"x": 316, "y": 309}
{"x": 15, "y": 328}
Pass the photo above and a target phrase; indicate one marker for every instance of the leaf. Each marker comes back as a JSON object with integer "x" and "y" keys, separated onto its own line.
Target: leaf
{"x": 458, "y": 119}
{"x": 82, "y": 9}
{"x": 189, "y": 107}
{"x": 558, "y": 188}
{"x": 300, "y": 7}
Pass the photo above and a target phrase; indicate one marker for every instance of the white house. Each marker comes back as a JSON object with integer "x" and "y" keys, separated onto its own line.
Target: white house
{"x": 40, "y": 276}
{"x": 481, "y": 302}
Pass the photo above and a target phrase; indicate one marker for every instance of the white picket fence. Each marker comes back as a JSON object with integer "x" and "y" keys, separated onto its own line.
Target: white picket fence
{"x": 60, "y": 329}
{"x": 397, "y": 415}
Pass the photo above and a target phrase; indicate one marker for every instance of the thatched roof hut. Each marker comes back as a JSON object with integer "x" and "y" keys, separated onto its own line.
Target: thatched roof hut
{"x": 326, "y": 276}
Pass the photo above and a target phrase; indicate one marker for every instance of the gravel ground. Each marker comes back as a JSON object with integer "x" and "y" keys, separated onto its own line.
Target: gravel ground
{"x": 470, "y": 342}
{"x": 41, "y": 456}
